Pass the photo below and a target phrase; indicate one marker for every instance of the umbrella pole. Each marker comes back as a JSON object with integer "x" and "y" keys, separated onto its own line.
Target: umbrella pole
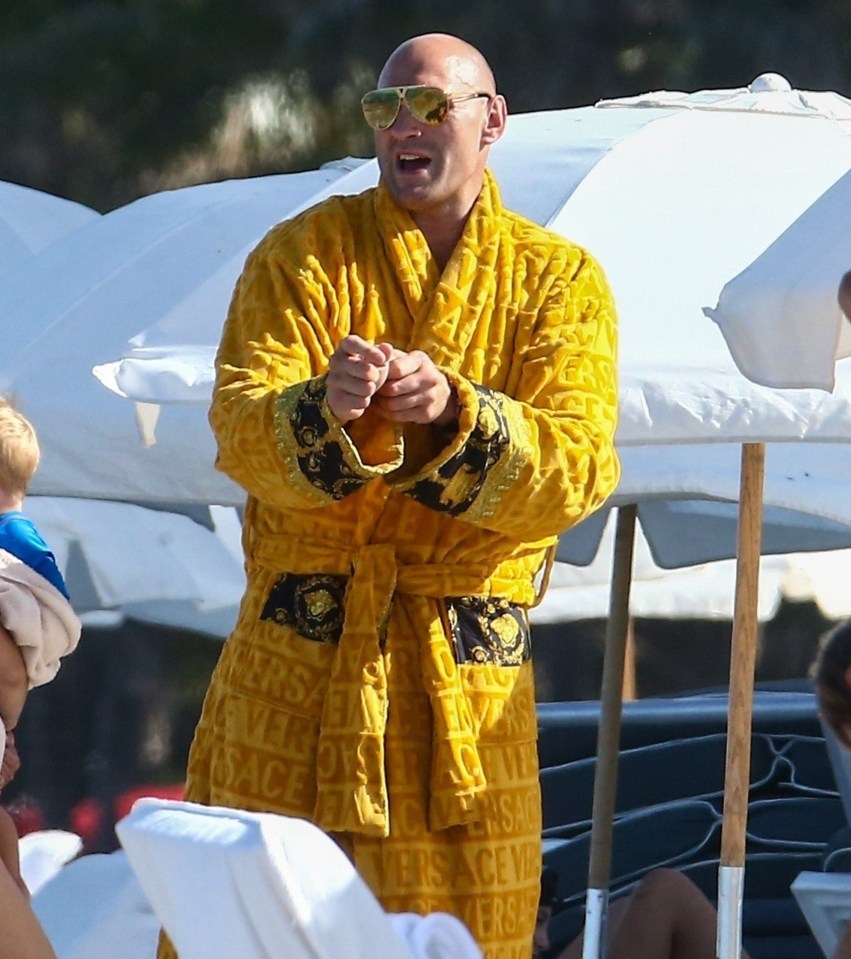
{"x": 731, "y": 873}
{"x": 608, "y": 737}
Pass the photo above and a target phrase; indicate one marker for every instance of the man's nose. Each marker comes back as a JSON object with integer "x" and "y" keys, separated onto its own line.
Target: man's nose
{"x": 405, "y": 124}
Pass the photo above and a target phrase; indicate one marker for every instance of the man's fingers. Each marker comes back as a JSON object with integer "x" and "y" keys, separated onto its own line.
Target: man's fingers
{"x": 359, "y": 379}
{"x": 404, "y": 364}
{"x": 355, "y": 347}
{"x": 357, "y": 370}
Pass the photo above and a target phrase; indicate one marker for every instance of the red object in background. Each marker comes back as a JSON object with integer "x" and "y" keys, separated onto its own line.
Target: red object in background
{"x": 26, "y": 816}
{"x": 125, "y": 801}
{"x": 87, "y": 815}
{"x": 86, "y": 818}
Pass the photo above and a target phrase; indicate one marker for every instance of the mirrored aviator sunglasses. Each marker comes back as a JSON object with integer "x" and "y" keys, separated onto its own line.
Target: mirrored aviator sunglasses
{"x": 429, "y": 105}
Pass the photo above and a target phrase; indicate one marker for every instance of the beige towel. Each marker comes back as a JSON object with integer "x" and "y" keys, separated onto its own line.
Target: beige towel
{"x": 39, "y": 618}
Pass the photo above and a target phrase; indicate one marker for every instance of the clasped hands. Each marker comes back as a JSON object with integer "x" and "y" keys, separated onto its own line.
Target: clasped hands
{"x": 402, "y": 387}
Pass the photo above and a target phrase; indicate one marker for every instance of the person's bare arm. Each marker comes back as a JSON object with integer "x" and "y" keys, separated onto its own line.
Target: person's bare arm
{"x": 13, "y": 680}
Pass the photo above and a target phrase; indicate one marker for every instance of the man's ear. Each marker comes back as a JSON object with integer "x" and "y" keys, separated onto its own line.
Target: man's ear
{"x": 496, "y": 119}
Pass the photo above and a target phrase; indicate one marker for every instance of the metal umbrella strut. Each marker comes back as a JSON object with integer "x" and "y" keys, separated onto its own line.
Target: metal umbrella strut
{"x": 608, "y": 737}
{"x": 737, "y": 770}
{"x": 731, "y": 874}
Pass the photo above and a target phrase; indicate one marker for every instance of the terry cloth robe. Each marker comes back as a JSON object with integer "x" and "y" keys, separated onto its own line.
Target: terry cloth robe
{"x": 378, "y": 680}
{"x": 38, "y": 617}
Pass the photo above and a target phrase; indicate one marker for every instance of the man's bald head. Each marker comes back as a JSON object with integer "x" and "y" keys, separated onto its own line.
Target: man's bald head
{"x": 463, "y": 65}
{"x": 435, "y": 170}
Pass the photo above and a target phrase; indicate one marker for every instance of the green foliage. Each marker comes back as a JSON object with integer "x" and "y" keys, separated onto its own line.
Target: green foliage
{"x": 103, "y": 100}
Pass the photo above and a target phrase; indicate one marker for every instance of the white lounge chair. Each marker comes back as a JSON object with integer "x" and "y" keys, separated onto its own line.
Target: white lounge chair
{"x": 94, "y": 908}
{"x": 228, "y": 883}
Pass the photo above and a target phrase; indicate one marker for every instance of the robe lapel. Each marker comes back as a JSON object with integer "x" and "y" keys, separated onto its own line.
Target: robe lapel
{"x": 445, "y": 310}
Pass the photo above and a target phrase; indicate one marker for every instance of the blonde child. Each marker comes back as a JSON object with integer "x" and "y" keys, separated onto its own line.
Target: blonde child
{"x": 37, "y": 627}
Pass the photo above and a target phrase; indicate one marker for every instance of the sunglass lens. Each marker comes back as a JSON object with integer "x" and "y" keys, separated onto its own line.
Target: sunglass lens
{"x": 380, "y": 108}
{"x": 427, "y": 104}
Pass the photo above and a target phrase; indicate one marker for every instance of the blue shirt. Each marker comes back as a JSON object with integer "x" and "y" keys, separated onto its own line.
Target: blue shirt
{"x": 19, "y": 537}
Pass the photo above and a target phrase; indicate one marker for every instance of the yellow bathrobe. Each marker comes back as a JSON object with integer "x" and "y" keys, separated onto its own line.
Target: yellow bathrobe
{"x": 378, "y": 680}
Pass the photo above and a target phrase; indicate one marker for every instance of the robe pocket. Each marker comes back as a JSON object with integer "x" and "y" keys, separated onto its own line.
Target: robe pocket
{"x": 488, "y": 630}
{"x": 310, "y": 604}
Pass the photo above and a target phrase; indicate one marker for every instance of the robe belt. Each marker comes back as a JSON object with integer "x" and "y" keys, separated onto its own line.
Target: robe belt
{"x": 350, "y": 770}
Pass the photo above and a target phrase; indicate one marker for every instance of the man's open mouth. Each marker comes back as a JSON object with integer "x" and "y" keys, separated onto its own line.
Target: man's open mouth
{"x": 411, "y": 162}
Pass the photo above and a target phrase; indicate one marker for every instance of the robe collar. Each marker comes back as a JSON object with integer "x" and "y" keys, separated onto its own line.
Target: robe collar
{"x": 445, "y": 308}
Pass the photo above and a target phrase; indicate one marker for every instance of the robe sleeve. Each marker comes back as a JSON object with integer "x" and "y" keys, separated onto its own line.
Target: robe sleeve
{"x": 276, "y": 436}
{"x": 534, "y": 463}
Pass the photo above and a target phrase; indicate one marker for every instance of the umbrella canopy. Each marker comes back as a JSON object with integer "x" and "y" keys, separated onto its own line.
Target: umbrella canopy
{"x": 31, "y": 220}
{"x": 172, "y": 254}
{"x": 123, "y": 556}
{"x": 672, "y": 192}
{"x": 685, "y": 191}
{"x": 702, "y": 591}
{"x": 687, "y": 495}
{"x": 780, "y": 315}
{"x": 162, "y": 568}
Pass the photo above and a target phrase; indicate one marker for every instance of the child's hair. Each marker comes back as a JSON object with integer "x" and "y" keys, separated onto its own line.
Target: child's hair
{"x": 829, "y": 674}
{"x": 19, "y": 452}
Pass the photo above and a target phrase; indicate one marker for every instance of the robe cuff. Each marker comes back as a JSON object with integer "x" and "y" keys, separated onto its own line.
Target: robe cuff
{"x": 472, "y": 473}
{"x": 321, "y": 458}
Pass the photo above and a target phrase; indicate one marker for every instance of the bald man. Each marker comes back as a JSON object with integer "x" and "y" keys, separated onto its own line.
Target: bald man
{"x": 416, "y": 389}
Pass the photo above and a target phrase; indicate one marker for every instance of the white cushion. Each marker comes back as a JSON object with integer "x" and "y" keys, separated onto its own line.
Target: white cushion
{"x": 229, "y": 883}
{"x": 43, "y": 853}
{"x": 436, "y": 936}
{"x": 94, "y": 908}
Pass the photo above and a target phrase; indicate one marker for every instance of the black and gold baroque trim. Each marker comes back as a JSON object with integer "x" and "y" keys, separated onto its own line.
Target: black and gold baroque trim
{"x": 459, "y": 481}
{"x": 311, "y": 604}
{"x": 488, "y": 630}
{"x": 318, "y": 450}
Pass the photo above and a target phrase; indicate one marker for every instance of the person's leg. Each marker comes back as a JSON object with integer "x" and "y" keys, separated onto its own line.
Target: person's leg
{"x": 843, "y": 947}
{"x": 21, "y": 935}
{"x": 9, "y": 850}
{"x": 665, "y": 917}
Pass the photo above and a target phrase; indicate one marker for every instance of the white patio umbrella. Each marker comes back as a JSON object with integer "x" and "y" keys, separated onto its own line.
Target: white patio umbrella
{"x": 176, "y": 253}
{"x": 164, "y": 287}
{"x": 697, "y": 591}
{"x": 153, "y": 565}
{"x": 673, "y": 193}
{"x": 687, "y": 190}
{"x": 31, "y": 220}
{"x": 780, "y": 315}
